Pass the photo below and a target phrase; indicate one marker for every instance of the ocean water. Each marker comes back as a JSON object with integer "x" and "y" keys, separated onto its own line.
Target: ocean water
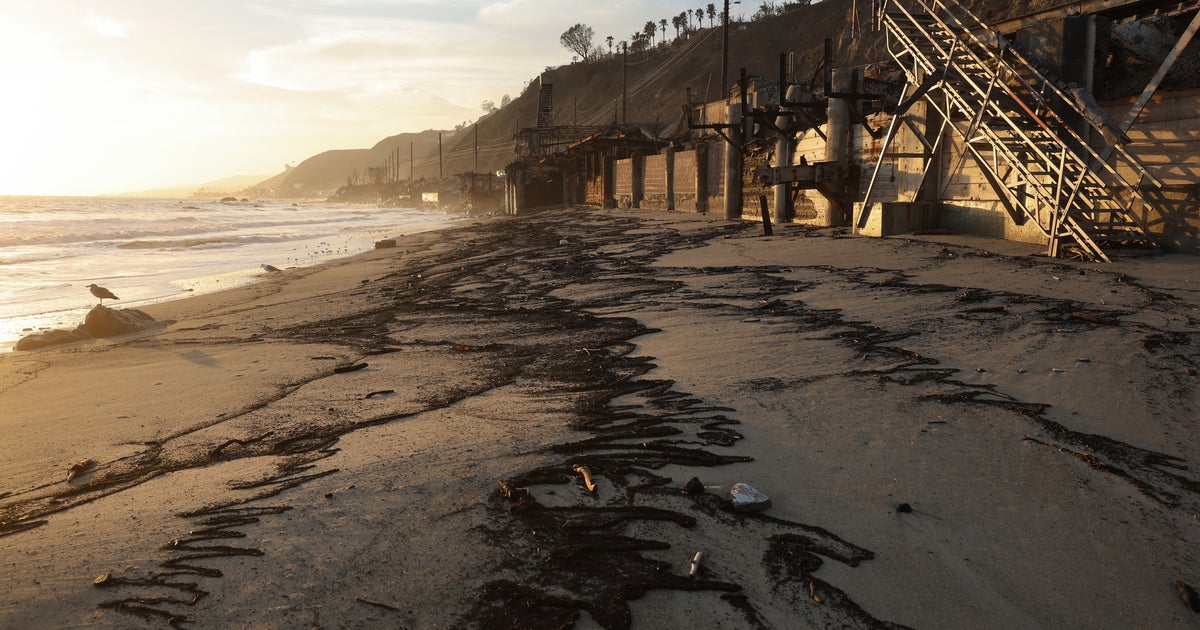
{"x": 153, "y": 250}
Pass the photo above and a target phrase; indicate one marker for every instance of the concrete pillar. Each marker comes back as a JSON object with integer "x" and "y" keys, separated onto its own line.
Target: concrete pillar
{"x": 670, "y": 159}
{"x": 639, "y": 180}
{"x": 733, "y": 164}
{"x": 784, "y": 211}
{"x": 519, "y": 201}
{"x": 702, "y": 177}
{"x": 567, "y": 196}
{"x": 837, "y": 146}
{"x": 608, "y": 182}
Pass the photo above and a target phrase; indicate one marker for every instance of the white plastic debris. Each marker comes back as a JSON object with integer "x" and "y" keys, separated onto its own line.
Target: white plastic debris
{"x": 747, "y": 499}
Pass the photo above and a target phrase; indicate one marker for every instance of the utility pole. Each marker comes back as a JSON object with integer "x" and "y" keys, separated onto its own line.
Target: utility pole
{"x": 439, "y": 156}
{"x": 624, "y": 91}
{"x": 410, "y": 163}
{"x": 725, "y": 53}
{"x": 476, "y": 147}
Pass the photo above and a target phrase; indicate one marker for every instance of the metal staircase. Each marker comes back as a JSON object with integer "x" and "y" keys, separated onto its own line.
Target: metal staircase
{"x": 1052, "y": 155}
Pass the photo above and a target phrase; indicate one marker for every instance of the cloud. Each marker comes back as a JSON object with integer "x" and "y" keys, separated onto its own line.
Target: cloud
{"x": 107, "y": 26}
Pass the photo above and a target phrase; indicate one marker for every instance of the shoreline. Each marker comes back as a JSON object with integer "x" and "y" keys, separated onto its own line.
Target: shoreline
{"x": 203, "y": 281}
{"x": 343, "y": 429}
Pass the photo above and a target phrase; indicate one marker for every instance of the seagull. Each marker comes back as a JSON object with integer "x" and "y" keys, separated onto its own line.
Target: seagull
{"x": 102, "y": 293}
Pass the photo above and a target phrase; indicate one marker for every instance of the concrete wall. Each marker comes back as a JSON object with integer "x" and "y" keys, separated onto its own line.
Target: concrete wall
{"x": 624, "y": 183}
{"x": 655, "y": 186}
{"x": 1166, "y": 139}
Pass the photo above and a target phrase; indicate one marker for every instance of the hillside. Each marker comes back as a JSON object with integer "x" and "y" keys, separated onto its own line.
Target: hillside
{"x": 657, "y": 81}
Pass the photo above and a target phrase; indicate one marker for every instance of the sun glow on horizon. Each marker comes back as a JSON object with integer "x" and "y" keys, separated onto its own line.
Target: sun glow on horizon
{"x": 143, "y": 94}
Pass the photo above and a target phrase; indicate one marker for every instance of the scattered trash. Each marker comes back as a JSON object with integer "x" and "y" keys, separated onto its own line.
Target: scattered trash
{"x": 79, "y": 468}
{"x": 751, "y": 320}
{"x": 695, "y": 564}
{"x": 103, "y": 580}
{"x": 512, "y": 493}
{"x": 269, "y": 268}
{"x": 1096, "y": 319}
{"x": 1082, "y": 360}
{"x": 342, "y": 369}
{"x": 904, "y": 508}
{"x": 363, "y": 600}
{"x": 382, "y": 392}
{"x": 693, "y": 486}
{"x": 564, "y": 242}
{"x": 1188, "y": 595}
{"x": 587, "y": 478}
{"x": 386, "y": 243}
{"x": 812, "y": 592}
{"x": 747, "y": 499}
{"x": 1057, "y": 370}
{"x": 462, "y": 348}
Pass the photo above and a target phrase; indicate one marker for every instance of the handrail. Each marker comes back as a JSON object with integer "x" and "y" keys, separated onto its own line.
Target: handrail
{"x": 929, "y": 33}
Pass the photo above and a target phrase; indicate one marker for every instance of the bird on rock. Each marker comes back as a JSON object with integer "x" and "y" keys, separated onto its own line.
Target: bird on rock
{"x": 102, "y": 293}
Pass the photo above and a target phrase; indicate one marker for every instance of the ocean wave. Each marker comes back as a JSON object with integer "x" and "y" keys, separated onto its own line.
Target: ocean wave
{"x": 197, "y": 243}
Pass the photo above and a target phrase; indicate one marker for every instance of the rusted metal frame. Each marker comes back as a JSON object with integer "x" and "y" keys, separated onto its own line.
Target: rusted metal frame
{"x": 1096, "y": 159}
{"x": 962, "y": 103}
{"x": 741, "y": 148}
{"x": 1148, "y": 92}
{"x": 813, "y": 123}
{"x": 906, "y": 42}
{"x": 1020, "y": 102}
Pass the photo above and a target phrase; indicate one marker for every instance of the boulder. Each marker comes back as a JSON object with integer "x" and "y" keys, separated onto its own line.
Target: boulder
{"x": 50, "y": 338}
{"x": 102, "y": 321}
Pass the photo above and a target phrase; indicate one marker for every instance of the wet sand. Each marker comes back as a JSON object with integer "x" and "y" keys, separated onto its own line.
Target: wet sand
{"x": 953, "y": 432}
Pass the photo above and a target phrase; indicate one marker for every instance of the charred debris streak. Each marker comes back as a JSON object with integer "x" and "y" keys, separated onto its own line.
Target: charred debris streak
{"x": 595, "y": 552}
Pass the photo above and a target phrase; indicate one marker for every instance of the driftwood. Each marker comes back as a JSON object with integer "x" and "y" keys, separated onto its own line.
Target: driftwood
{"x": 1096, "y": 319}
{"x": 79, "y": 468}
{"x": 696, "y": 563}
{"x": 342, "y": 369}
{"x": 364, "y": 600}
{"x": 766, "y": 215}
{"x": 587, "y": 478}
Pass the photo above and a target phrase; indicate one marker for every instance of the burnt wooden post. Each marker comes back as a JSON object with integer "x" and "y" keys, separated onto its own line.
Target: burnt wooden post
{"x": 638, "y": 184}
{"x": 766, "y": 216}
{"x": 670, "y": 159}
{"x": 702, "y": 177}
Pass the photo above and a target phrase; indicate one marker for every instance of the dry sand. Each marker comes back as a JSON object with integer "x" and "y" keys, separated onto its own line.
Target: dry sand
{"x": 944, "y": 443}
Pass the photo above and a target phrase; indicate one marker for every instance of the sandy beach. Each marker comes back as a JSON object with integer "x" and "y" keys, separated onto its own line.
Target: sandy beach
{"x": 952, "y": 431}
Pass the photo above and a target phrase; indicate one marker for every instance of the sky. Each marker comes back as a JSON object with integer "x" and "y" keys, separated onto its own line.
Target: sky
{"x": 109, "y": 96}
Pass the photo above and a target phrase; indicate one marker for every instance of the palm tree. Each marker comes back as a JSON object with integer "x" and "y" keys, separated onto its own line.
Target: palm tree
{"x": 663, "y": 24}
{"x": 650, "y": 28}
{"x": 699, "y": 18}
{"x": 677, "y": 21}
{"x": 712, "y": 14}
{"x": 609, "y": 39}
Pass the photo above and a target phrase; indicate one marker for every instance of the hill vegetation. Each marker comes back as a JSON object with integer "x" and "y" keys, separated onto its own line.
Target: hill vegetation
{"x": 656, "y": 72}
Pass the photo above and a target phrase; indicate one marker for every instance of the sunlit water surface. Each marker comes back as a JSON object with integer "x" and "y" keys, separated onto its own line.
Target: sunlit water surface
{"x": 154, "y": 250}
